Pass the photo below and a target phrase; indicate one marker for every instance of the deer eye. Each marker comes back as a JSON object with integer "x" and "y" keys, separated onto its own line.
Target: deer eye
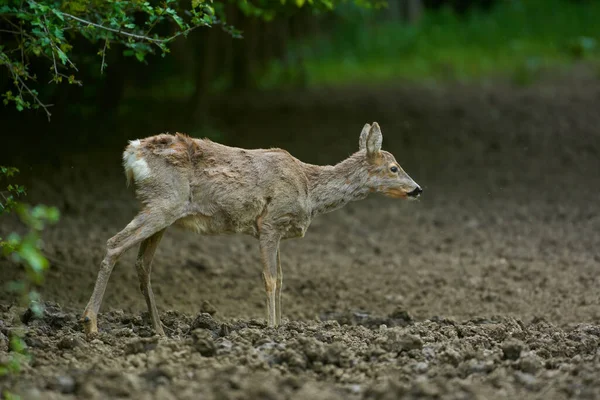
{"x": 394, "y": 169}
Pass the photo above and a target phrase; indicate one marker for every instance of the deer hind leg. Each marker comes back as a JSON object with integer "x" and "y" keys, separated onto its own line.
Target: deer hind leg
{"x": 144, "y": 225}
{"x": 278, "y": 289}
{"x": 144, "y": 269}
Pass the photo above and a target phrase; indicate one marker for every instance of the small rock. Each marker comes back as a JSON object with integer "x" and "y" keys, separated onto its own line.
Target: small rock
{"x": 293, "y": 359}
{"x": 157, "y": 375}
{"x": 312, "y": 349}
{"x": 424, "y": 389}
{"x": 428, "y": 352}
{"x": 33, "y": 394}
{"x": 204, "y": 343}
{"x": 142, "y": 345}
{"x": 525, "y": 379}
{"x": 69, "y": 343}
{"x": 123, "y": 332}
{"x": 451, "y": 356}
{"x": 337, "y": 354}
{"x": 225, "y": 330}
{"x": 530, "y": 363}
{"x": 512, "y": 348}
{"x": 394, "y": 298}
{"x": 421, "y": 367}
{"x": 107, "y": 338}
{"x": 162, "y": 393}
{"x": 251, "y": 334}
{"x": 399, "y": 317}
{"x": 208, "y": 308}
{"x": 355, "y": 388}
{"x": 65, "y": 384}
{"x": 224, "y": 346}
{"x": 403, "y": 342}
{"x": 411, "y": 342}
{"x": 117, "y": 316}
{"x": 56, "y": 317}
{"x": 36, "y": 342}
{"x": 474, "y": 366}
{"x": 4, "y": 343}
{"x": 205, "y": 321}
{"x": 27, "y": 316}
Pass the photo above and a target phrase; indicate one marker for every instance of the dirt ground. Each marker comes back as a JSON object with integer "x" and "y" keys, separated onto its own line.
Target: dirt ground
{"x": 486, "y": 288}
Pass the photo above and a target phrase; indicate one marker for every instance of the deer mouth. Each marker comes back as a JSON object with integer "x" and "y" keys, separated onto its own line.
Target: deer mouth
{"x": 402, "y": 194}
{"x": 396, "y": 193}
{"x": 415, "y": 193}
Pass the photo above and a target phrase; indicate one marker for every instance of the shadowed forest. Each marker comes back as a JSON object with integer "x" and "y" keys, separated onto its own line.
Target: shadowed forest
{"x": 483, "y": 288}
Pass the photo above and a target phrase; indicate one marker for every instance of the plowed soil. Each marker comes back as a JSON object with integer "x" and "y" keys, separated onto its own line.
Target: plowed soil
{"x": 486, "y": 288}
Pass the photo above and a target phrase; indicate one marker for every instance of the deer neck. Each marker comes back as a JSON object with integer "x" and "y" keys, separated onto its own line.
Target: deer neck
{"x": 332, "y": 187}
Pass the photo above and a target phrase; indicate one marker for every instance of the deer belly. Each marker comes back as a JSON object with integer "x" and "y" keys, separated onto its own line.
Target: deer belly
{"x": 216, "y": 225}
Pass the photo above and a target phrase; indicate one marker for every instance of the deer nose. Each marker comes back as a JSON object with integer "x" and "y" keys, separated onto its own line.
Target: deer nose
{"x": 416, "y": 192}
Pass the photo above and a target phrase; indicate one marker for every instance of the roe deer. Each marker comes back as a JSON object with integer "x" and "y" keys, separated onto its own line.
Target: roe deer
{"x": 215, "y": 189}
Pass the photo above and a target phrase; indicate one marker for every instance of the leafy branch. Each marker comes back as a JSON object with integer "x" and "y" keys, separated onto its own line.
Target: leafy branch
{"x": 46, "y": 29}
{"x": 144, "y": 37}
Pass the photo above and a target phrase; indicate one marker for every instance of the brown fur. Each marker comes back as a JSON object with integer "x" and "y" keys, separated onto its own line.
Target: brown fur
{"x": 178, "y": 149}
{"x": 215, "y": 189}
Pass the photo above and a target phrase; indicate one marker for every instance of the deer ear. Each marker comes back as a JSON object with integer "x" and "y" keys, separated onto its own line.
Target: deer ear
{"x": 374, "y": 141}
{"x": 362, "y": 142}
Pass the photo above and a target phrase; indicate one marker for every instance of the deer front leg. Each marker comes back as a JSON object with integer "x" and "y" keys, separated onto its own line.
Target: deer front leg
{"x": 278, "y": 289}
{"x": 269, "y": 245}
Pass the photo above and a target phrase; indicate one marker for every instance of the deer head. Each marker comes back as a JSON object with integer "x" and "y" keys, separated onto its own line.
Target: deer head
{"x": 386, "y": 176}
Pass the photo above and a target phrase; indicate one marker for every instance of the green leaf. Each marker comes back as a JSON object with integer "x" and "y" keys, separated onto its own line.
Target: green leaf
{"x": 58, "y": 14}
{"x": 14, "y": 238}
{"x": 6, "y": 9}
{"x": 328, "y": 4}
{"x": 33, "y": 257}
{"x": 53, "y": 215}
{"x": 17, "y": 344}
{"x": 63, "y": 57}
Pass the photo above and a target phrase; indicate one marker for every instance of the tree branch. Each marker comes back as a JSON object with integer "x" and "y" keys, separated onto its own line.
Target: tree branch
{"x": 37, "y": 100}
{"x": 103, "y": 56}
{"x": 24, "y": 85}
{"x": 132, "y": 35}
{"x": 52, "y": 48}
{"x": 55, "y": 48}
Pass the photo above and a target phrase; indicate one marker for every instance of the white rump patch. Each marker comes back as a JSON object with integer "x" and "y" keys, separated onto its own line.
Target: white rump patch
{"x": 135, "y": 168}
